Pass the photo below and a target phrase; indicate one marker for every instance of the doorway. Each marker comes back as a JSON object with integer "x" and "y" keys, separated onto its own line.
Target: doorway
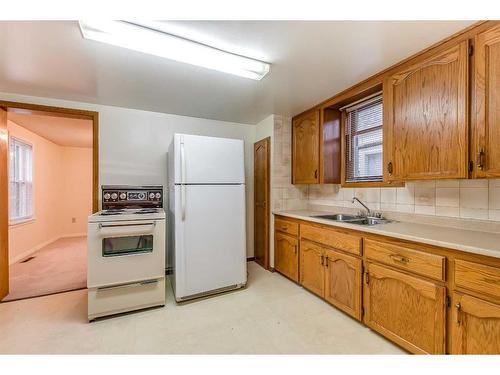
{"x": 48, "y": 187}
{"x": 261, "y": 201}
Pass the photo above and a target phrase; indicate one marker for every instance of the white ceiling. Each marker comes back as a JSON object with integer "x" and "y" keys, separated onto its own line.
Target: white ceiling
{"x": 68, "y": 132}
{"x": 311, "y": 61}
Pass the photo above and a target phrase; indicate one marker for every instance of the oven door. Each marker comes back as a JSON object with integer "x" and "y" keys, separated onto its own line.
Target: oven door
{"x": 126, "y": 251}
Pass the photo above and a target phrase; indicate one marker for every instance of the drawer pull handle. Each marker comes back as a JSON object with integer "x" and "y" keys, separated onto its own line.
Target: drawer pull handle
{"x": 295, "y": 249}
{"x": 322, "y": 260}
{"x": 399, "y": 259}
{"x": 326, "y": 261}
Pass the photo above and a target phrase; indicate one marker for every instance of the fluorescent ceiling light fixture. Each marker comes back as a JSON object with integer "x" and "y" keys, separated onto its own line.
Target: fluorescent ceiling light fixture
{"x": 155, "y": 42}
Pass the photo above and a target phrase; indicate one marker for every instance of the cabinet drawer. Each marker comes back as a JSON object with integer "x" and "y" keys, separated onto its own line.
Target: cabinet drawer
{"x": 286, "y": 226}
{"x": 414, "y": 261}
{"x": 477, "y": 277}
{"x": 332, "y": 238}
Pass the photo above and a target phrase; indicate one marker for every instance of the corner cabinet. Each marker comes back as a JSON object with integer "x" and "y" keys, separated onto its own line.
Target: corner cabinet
{"x": 408, "y": 310}
{"x": 286, "y": 257}
{"x": 486, "y": 143}
{"x": 425, "y": 118}
{"x": 306, "y": 148}
{"x": 475, "y": 326}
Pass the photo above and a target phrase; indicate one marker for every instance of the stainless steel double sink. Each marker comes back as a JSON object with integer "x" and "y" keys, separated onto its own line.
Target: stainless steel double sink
{"x": 353, "y": 219}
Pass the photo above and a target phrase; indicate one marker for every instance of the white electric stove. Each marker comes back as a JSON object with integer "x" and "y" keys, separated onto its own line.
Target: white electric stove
{"x": 126, "y": 251}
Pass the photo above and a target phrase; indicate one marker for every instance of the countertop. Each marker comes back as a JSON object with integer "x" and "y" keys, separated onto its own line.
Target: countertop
{"x": 470, "y": 241}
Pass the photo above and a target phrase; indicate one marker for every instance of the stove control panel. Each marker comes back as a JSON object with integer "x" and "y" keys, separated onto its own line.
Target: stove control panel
{"x": 114, "y": 196}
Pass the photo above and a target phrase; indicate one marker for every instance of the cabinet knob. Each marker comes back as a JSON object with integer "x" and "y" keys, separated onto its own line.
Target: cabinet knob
{"x": 316, "y": 173}
{"x": 389, "y": 167}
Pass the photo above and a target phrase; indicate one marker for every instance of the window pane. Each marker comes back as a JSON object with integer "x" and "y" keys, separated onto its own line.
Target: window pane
{"x": 364, "y": 141}
{"x": 21, "y": 179}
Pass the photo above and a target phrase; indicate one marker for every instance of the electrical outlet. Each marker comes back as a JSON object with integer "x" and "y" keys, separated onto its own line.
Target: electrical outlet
{"x": 73, "y": 220}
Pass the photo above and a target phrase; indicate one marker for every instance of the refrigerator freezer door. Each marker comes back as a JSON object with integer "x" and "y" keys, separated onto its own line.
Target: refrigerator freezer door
{"x": 210, "y": 251}
{"x": 208, "y": 160}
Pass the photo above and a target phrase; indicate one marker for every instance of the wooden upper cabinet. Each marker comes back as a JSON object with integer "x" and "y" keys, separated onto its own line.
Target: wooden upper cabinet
{"x": 286, "y": 255}
{"x": 312, "y": 270}
{"x": 486, "y": 144}
{"x": 425, "y": 118}
{"x": 343, "y": 282}
{"x": 406, "y": 309}
{"x": 475, "y": 326}
{"x": 305, "y": 148}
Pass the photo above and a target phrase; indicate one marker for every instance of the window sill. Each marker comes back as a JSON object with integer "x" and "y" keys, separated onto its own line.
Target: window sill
{"x": 21, "y": 222}
{"x": 362, "y": 184}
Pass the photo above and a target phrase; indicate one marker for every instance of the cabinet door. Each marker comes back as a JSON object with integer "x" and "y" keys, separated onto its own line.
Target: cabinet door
{"x": 305, "y": 148}
{"x": 286, "y": 257}
{"x": 486, "y": 145}
{"x": 475, "y": 326}
{"x": 343, "y": 282}
{"x": 312, "y": 269}
{"x": 425, "y": 118}
{"x": 405, "y": 309}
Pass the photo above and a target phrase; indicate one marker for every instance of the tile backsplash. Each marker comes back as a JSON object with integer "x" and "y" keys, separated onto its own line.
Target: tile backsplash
{"x": 468, "y": 199}
{"x": 284, "y": 195}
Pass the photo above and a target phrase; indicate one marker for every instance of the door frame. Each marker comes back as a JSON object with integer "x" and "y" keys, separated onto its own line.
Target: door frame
{"x": 256, "y": 145}
{"x": 38, "y": 109}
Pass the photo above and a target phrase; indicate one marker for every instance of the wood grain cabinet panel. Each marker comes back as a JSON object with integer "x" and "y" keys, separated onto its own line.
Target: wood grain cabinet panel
{"x": 286, "y": 226}
{"x": 477, "y": 277}
{"x": 333, "y": 238}
{"x": 425, "y": 118}
{"x": 343, "y": 274}
{"x": 405, "y": 309}
{"x": 419, "y": 262}
{"x": 312, "y": 270}
{"x": 486, "y": 145}
{"x": 286, "y": 255}
{"x": 475, "y": 326}
{"x": 306, "y": 148}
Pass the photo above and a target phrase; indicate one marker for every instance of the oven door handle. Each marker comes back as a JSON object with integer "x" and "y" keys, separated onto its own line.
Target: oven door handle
{"x": 126, "y": 229}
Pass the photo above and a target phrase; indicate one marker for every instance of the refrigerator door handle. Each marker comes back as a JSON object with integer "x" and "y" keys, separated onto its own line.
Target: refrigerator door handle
{"x": 183, "y": 162}
{"x": 183, "y": 179}
{"x": 183, "y": 201}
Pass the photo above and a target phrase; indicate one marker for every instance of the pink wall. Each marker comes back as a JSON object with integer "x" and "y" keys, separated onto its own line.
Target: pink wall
{"x": 58, "y": 174}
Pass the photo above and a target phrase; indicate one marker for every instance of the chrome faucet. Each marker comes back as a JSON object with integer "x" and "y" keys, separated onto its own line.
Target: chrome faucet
{"x": 368, "y": 211}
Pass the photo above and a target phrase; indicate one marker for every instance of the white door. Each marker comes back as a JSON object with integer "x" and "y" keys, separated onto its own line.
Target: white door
{"x": 210, "y": 238}
{"x": 208, "y": 160}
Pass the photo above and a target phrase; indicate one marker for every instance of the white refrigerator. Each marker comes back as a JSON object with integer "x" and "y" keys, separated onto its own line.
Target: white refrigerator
{"x": 207, "y": 248}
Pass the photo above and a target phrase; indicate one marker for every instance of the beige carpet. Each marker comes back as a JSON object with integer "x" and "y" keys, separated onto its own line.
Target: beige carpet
{"x": 57, "y": 267}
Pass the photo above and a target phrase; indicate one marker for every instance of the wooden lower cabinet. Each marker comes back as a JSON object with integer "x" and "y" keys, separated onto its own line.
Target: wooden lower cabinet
{"x": 406, "y": 309}
{"x": 475, "y": 326}
{"x": 343, "y": 278}
{"x": 286, "y": 255}
{"x": 312, "y": 270}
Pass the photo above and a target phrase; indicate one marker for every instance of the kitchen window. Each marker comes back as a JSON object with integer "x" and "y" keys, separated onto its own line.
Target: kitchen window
{"x": 363, "y": 132}
{"x": 20, "y": 180}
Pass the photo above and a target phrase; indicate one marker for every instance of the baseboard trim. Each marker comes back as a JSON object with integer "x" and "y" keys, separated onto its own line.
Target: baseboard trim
{"x": 250, "y": 259}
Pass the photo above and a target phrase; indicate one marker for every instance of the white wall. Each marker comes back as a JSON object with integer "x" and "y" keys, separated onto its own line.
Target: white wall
{"x": 133, "y": 144}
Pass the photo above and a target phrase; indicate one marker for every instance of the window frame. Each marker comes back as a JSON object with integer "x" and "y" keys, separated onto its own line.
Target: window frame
{"x": 22, "y": 219}
{"x": 349, "y": 144}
